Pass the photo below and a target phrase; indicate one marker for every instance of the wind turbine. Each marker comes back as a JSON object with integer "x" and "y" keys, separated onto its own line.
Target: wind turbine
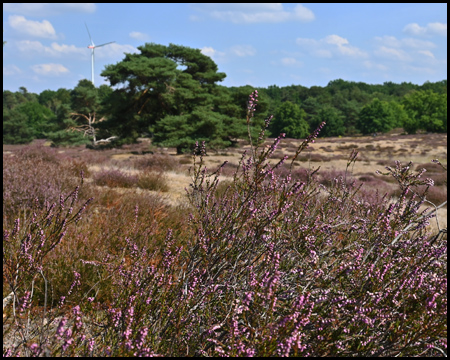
{"x": 92, "y": 47}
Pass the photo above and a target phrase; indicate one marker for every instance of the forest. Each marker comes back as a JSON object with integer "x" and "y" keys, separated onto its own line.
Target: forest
{"x": 171, "y": 94}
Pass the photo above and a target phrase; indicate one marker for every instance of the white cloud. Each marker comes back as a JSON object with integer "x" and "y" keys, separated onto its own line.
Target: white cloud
{"x": 11, "y": 70}
{"x": 414, "y": 29}
{"x": 437, "y": 28}
{"x": 243, "y": 50}
{"x": 49, "y": 69}
{"x": 302, "y": 13}
{"x": 48, "y": 9}
{"x": 66, "y": 49}
{"x": 33, "y": 48}
{"x": 55, "y": 50}
{"x": 250, "y": 13}
{"x": 233, "y": 51}
{"x": 393, "y": 54}
{"x": 427, "y": 53}
{"x": 404, "y": 50}
{"x": 138, "y": 35}
{"x": 351, "y": 51}
{"x": 212, "y": 53}
{"x": 115, "y": 50}
{"x": 335, "y": 40}
{"x": 428, "y": 30}
{"x": 392, "y": 41}
{"x": 330, "y": 46}
{"x": 32, "y": 28}
{"x": 416, "y": 43}
{"x": 208, "y": 51}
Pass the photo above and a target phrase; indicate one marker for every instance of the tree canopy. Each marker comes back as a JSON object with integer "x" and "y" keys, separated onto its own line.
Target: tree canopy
{"x": 426, "y": 110}
{"x": 290, "y": 119}
{"x": 374, "y": 117}
{"x": 165, "y": 89}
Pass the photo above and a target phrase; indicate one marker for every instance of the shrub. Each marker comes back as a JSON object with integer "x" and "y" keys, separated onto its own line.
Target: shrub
{"x": 439, "y": 179}
{"x": 142, "y": 217}
{"x": 68, "y": 138}
{"x": 437, "y": 195}
{"x": 312, "y": 157}
{"x": 156, "y": 162}
{"x": 270, "y": 266}
{"x": 153, "y": 181}
{"x": 37, "y": 172}
{"x": 26, "y": 246}
{"x": 115, "y": 178}
{"x": 185, "y": 160}
{"x": 96, "y": 157}
{"x": 431, "y": 167}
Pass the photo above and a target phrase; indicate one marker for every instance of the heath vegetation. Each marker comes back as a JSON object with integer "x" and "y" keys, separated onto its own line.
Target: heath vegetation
{"x": 268, "y": 255}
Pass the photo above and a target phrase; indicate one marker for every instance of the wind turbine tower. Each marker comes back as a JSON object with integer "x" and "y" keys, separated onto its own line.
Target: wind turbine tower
{"x": 93, "y": 47}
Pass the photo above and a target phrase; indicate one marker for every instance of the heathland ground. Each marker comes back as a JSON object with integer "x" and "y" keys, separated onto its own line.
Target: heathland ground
{"x": 110, "y": 280}
{"x": 330, "y": 154}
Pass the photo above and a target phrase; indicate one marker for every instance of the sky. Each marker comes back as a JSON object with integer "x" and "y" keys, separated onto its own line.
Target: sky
{"x": 254, "y": 44}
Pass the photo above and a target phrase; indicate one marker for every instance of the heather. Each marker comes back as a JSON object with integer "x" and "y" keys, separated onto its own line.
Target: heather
{"x": 277, "y": 260}
{"x": 37, "y": 172}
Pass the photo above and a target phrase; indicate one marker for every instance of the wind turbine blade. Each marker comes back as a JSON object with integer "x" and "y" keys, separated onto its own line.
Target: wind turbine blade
{"x": 104, "y": 44}
{"x": 90, "y": 38}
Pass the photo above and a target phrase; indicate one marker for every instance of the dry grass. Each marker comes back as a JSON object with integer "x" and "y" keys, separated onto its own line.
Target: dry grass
{"x": 167, "y": 172}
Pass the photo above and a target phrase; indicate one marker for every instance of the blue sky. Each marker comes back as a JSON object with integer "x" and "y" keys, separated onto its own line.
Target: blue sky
{"x": 254, "y": 44}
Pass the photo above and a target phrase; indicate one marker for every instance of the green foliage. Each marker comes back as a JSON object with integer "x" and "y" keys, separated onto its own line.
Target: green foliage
{"x": 398, "y": 114}
{"x": 15, "y": 128}
{"x": 40, "y": 115}
{"x": 162, "y": 80}
{"x": 183, "y": 131}
{"x": 40, "y": 119}
{"x": 334, "y": 121}
{"x": 233, "y": 103}
{"x": 27, "y": 95}
{"x": 25, "y": 119}
{"x": 77, "y": 112}
{"x": 171, "y": 92}
{"x": 290, "y": 119}
{"x": 374, "y": 117}
{"x": 427, "y": 110}
{"x": 49, "y": 99}
{"x": 84, "y": 98}
{"x": 67, "y": 138}
{"x": 11, "y": 100}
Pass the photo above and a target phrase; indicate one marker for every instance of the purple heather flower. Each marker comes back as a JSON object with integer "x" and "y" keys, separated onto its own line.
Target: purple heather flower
{"x": 60, "y": 328}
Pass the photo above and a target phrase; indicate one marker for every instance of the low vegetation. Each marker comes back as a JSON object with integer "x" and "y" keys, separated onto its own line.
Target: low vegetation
{"x": 276, "y": 259}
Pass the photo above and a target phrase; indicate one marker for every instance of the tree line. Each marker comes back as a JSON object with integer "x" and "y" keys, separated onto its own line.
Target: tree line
{"x": 172, "y": 94}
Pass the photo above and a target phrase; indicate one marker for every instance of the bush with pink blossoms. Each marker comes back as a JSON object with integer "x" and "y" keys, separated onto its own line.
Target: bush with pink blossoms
{"x": 271, "y": 265}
